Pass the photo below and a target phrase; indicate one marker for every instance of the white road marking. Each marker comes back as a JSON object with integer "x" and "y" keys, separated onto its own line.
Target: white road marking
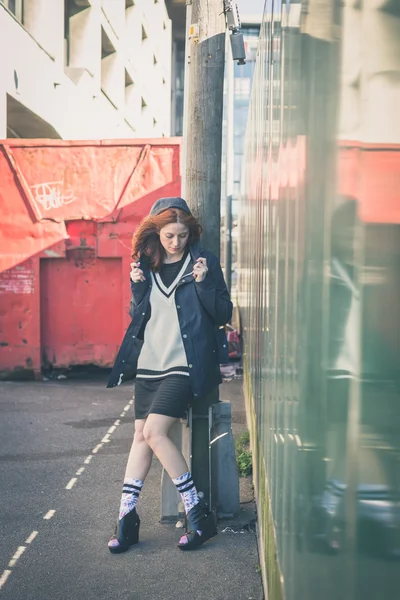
{"x": 17, "y": 555}
{"x": 21, "y": 549}
{"x": 30, "y": 539}
{"x": 49, "y": 515}
{"x": 5, "y": 575}
{"x": 71, "y": 484}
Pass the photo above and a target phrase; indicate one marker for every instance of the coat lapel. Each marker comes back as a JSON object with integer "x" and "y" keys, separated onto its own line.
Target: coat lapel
{"x": 142, "y": 287}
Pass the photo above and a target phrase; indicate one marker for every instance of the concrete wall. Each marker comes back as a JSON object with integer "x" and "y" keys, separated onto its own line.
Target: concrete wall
{"x": 102, "y": 81}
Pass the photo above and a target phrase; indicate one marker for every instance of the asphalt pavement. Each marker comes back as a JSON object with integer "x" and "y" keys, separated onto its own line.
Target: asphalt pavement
{"x": 63, "y": 449}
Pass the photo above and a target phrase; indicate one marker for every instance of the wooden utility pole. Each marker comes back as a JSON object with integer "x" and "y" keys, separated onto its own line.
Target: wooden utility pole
{"x": 229, "y": 161}
{"x": 203, "y": 143}
{"x": 202, "y": 159}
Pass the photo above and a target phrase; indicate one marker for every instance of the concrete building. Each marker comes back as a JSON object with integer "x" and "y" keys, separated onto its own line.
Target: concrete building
{"x": 85, "y": 69}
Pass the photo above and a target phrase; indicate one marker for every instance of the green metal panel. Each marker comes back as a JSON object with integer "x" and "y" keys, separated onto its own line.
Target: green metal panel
{"x": 319, "y": 288}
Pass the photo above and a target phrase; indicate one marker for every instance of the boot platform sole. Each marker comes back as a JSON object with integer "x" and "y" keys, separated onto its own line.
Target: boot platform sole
{"x": 210, "y": 531}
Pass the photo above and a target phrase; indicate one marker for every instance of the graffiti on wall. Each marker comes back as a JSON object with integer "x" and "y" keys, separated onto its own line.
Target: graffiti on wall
{"x": 52, "y": 194}
{"x": 18, "y": 280}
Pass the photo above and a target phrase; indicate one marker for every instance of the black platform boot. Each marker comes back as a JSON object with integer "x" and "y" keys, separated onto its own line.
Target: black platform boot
{"x": 126, "y": 532}
{"x": 199, "y": 518}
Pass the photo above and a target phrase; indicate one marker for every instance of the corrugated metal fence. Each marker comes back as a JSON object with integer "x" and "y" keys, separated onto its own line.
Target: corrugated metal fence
{"x": 319, "y": 290}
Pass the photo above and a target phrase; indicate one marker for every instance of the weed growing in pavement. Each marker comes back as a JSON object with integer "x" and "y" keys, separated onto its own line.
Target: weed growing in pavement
{"x": 243, "y": 455}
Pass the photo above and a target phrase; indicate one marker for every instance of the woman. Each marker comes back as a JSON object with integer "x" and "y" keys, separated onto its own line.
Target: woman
{"x": 173, "y": 347}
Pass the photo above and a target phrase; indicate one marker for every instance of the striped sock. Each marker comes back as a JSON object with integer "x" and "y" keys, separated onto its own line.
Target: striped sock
{"x": 130, "y": 494}
{"x": 187, "y": 490}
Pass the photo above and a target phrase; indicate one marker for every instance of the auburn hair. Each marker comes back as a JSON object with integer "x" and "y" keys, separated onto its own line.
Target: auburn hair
{"x": 146, "y": 239}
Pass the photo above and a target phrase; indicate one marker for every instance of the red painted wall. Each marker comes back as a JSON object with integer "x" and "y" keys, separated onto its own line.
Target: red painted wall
{"x": 67, "y": 214}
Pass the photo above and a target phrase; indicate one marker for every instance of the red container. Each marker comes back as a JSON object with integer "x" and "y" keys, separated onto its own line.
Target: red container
{"x": 67, "y": 214}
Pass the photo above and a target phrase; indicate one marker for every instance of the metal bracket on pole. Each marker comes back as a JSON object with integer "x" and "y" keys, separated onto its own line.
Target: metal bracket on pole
{"x": 232, "y": 15}
{"x": 236, "y": 38}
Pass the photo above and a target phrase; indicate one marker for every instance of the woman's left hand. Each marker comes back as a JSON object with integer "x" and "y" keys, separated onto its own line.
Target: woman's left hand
{"x": 200, "y": 269}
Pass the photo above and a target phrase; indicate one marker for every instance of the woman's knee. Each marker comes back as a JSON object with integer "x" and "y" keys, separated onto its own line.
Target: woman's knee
{"x": 152, "y": 434}
{"x": 149, "y": 434}
{"x": 138, "y": 436}
{"x": 157, "y": 428}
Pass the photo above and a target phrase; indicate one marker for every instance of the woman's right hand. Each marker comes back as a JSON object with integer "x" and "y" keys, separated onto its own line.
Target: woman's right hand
{"x": 136, "y": 273}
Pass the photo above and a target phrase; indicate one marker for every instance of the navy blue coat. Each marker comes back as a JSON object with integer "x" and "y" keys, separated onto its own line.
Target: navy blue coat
{"x": 203, "y": 309}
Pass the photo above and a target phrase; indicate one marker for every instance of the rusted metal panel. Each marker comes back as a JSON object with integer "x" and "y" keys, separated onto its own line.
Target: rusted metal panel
{"x": 19, "y": 322}
{"x": 91, "y": 332}
{"x": 67, "y": 214}
{"x": 21, "y": 235}
{"x": 46, "y": 184}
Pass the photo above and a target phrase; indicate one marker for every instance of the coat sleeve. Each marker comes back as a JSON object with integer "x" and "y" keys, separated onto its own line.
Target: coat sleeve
{"x": 139, "y": 288}
{"x": 213, "y": 293}
{"x": 138, "y": 291}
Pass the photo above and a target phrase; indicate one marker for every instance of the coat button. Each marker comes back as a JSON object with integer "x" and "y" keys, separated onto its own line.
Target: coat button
{"x": 196, "y": 395}
{"x": 184, "y": 335}
{"x": 134, "y": 336}
{"x": 177, "y": 306}
{"x": 224, "y": 346}
{"x": 183, "y": 280}
{"x": 190, "y": 366}
{"x": 143, "y": 314}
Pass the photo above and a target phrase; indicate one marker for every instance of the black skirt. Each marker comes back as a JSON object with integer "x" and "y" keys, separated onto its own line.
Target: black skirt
{"x": 169, "y": 396}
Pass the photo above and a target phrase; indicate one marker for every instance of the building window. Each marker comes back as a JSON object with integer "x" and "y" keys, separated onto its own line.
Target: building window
{"x": 14, "y": 6}
{"x": 109, "y": 69}
{"x": 128, "y": 79}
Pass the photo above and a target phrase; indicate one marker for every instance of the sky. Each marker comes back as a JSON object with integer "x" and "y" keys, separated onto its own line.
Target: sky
{"x": 250, "y": 7}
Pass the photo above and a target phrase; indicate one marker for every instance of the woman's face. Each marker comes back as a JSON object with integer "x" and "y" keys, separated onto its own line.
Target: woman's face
{"x": 174, "y": 237}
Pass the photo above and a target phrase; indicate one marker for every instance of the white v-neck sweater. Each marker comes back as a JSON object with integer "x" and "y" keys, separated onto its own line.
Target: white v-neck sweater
{"x": 163, "y": 352}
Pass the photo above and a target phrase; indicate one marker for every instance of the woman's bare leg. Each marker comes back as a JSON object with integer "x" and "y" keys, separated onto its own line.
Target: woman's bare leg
{"x": 140, "y": 455}
{"x": 139, "y": 463}
{"x": 155, "y": 433}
